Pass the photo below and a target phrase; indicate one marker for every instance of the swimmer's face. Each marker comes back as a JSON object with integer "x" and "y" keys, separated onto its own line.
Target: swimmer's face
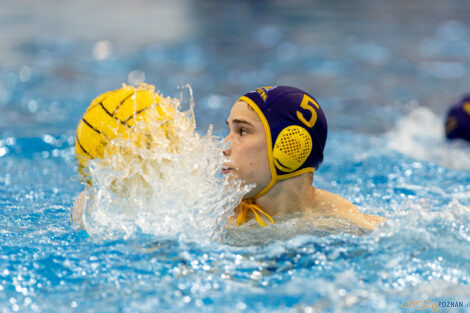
{"x": 248, "y": 153}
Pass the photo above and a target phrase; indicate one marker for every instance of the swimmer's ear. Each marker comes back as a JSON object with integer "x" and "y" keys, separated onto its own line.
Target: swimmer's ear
{"x": 292, "y": 148}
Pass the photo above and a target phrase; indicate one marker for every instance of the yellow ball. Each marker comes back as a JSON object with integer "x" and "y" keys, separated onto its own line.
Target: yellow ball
{"x": 113, "y": 115}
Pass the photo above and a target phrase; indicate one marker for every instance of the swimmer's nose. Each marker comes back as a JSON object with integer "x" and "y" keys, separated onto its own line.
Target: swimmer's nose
{"x": 227, "y": 151}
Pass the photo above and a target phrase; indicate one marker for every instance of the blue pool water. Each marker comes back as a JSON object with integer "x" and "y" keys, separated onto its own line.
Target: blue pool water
{"x": 384, "y": 74}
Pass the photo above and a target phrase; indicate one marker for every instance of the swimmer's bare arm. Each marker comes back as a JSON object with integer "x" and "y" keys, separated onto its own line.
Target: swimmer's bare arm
{"x": 78, "y": 208}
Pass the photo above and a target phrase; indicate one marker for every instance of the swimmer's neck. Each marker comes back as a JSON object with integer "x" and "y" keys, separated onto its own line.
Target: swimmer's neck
{"x": 289, "y": 196}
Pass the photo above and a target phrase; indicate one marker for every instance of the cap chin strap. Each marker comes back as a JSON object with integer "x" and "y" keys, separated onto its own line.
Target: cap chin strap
{"x": 249, "y": 204}
{"x": 275, "y": 178}
{"x": 246, "y": 206}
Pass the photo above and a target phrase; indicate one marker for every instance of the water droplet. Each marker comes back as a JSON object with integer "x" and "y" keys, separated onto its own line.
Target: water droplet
{"x": 33, "y": 106}
{"x": 102, "y": 50}
{"x": 3, "y": 151}
{"x": 48, "y": 139}
{"x": 213, "y": 102}
{"x": 308, "y": 310}
{"x": 241, "y": 306}
{"x": 136, "y": 77}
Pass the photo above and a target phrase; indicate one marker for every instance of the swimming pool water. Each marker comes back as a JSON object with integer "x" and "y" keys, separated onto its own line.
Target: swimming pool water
{"x": 384, "y": 97}
{"x": 420, "y": 253}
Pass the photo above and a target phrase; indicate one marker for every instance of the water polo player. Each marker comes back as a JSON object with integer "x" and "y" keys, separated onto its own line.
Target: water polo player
{"x": 277, "y": 137}
{"x": 457, "y": 125}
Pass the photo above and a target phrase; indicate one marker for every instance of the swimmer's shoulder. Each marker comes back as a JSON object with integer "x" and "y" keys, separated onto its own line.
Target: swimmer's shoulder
{"x": 332, "y": 205}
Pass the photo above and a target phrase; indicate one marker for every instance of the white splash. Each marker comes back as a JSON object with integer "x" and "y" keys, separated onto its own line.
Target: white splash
{"x": 172, "y": 187}
{"x": 421, "y": 135}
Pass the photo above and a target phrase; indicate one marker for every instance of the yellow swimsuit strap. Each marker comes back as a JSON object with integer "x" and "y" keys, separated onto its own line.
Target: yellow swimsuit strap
{"x": 245, "y": 207}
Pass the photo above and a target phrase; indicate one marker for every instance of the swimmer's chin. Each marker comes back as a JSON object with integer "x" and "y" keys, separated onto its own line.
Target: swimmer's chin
{"x": 233, "y": 177}
{"x": 231, "y": 174}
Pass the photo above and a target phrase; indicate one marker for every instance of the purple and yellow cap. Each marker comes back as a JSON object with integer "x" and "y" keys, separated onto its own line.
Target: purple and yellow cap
{"x": 295, "y": 127}
{"x": 458, "y": 120}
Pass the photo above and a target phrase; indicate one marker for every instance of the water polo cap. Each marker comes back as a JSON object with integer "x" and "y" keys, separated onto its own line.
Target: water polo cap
{"x": 295, "y": 127}
{"x": 458, "y": 120}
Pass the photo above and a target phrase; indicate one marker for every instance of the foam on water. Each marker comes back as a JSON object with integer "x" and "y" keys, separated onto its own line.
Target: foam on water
{"x": 421, "y": 135}
{"x": 171, "y": 187}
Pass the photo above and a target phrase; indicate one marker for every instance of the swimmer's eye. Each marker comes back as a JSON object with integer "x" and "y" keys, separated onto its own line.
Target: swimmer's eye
{"x": 242, "y": 131}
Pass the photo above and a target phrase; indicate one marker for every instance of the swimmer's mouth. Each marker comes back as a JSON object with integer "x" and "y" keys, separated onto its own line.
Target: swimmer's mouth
{"x": 226, "y": 170}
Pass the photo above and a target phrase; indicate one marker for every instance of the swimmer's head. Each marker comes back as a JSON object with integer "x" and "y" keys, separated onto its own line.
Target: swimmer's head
{"x": 457, "y": 124}
{"x": 295, "y": 132}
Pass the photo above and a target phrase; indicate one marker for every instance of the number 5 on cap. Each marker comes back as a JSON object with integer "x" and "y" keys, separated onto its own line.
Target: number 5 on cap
{"x": 306, "y": 104}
